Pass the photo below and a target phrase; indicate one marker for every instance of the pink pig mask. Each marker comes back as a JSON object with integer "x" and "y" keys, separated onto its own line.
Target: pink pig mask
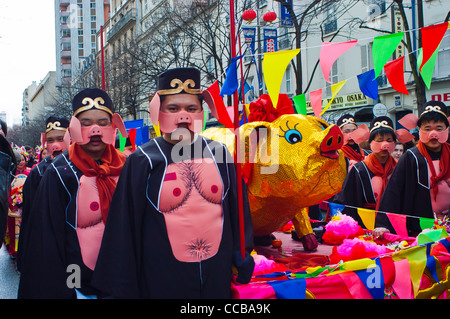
{"x": 441, "y": 136}
{"x": 377, "y": 147}
{"x": 82, "y": 135}
{"x": 168, "y": 122}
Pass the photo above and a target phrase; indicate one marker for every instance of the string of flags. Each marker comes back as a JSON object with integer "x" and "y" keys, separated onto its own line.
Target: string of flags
{"x": 275, "y": 64}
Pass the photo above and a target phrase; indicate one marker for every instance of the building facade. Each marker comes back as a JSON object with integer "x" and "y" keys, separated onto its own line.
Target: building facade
{"x": 76, "y": 25}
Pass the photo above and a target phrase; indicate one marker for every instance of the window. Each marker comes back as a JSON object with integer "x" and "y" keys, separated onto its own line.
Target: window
{"x": 67, "y": 73}
{"x": 66, "y": 32}
{"x": 92, "y": 5}
{"x": 80, "y": 32}
{"x": 66, "y": 46}
{"x": 93, "y": 32}
{"x": 93, "y": 18}
{"x": 288, "y": 79}
{"x": 80, "y": 45}
{"x": 64, "y": 19}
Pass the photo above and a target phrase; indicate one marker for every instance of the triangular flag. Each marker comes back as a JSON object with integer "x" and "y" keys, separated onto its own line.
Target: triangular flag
{"x": 394, "y": 72}
{"x": 382, "y": 49}
{"x": 368, "y": 217}
{"x": 428, "y": 68}
{"x": 335, "y": 88}
{"x": 132, "y": 135}
{"x": 330, "y": 52}
{"x": 417, "y": 257}
{"x": 122, "y": 142}
{"x": 368, "y": 85}
{"x": 274, "y": 66}
{"x": 231, "y": 83}
{"x": 157, "y": 130}
{"x": 335, "y": 208}
{"x": 426, "y": 223}
{"x": 398, "y": 221}
{"x": 431, "y": 38}
{"x": 300, "y": 104}
{"x": 374, "y": 286}
{"x": 218, "y": 110}
{"x": 316, "y": 101}
{"x": 289, "y": 289}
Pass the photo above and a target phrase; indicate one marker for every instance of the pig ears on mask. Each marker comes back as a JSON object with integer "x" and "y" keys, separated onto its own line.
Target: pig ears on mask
{"x": 118, "y": 123}
{"x": 43, "y": 139}
{"x": 409, "y": 121}
{"x": 153, "y": 108}
{"x": 361, "y": 134}
{"x": 75, "y": 128}
{"x": 403, "y": 136}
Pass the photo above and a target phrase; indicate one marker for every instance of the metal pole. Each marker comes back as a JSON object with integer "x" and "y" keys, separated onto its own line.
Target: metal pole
{"x": 103, "y": 59}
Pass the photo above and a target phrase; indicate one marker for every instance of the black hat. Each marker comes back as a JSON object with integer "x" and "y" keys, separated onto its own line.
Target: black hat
{"x": 56, "y": 123}
{"x": 92, "y": 99}
{"x": 381, "y": 122}
{"x": 346, "y": 119}
{"x": 435, "y": 106}
{"x": 179, "y": 80}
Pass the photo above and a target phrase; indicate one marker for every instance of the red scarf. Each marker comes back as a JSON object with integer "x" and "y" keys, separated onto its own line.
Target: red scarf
{"x": 112, "y": 162}
{"x": 377, "y": 168}
{"x": 350, "y": 153}
{"x": 443, "y": 165}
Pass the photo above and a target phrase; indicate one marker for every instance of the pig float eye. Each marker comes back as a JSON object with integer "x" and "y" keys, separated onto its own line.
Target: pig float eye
{"x": 291, "y": 135}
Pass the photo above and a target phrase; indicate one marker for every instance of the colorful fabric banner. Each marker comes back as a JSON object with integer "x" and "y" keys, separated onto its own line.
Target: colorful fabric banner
{"x": 394, "y": 73}
{"x": 382, "y": 49}
{"x": 372, "y": 279}
{"x": 132, "y": 136}
{"x": 428, "y": 68}
{"x": 368, "y": 85}
{"x": 274, "y": 66}
{"x": 368, "y": 217}
{"x": 330, "y": 52}
{"x": 335, "y": 88}
{"x": 122, "y": 142}
{"x": 426, "y": 223}
{"x": 289, "y": 289}
{"x": 231, "y": 83}
{"x": 300, "y": 104}
{"x": 417, "y": 259}
{"x": 315, "y": 98}
{"x": 399, "y": 223}
{"x": 431, "y": 38}
{"x": 335, "y": 208}
{"x": 220, "y": 112}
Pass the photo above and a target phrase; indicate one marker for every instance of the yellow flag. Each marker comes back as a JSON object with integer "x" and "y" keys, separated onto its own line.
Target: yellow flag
{"x": 417, "y": 257}
{"x": 157, "y": 130}
{"x": 274, "y": 66}
{"x": 367, "y": 217}
{"x": 247, "y": 109}
{"x": 335, "y": 88}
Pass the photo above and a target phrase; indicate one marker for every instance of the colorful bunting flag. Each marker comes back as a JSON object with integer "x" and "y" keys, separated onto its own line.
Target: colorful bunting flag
{"x": 330, "y": 52}
{"x": 382, "y": 49}
{"x": 368, "y": 85}
{"x": 300, "y": 104}
{"x": 417, "y": 258}
{"x": 316, "y": 101}
{"x": 122, "y": 142}
{"x": 426, "y": 223}
{"x": 231, "y": 83}
{"x": 428, "y": 68}
{"x": 220, "y": 111}
{"x": 132, "y": 136}
{"x": 431, "y": 38}
{"x": 368, "y": 217}
{"x": 289, "y": 289}
{"x": 274, "y": 66}
{"x": 335, "y": 208}
{"x": 372, "y": 279}
{"x": 157, "y": 130}
{"x": 398, "y": 221}
{"x": 394, "y": 72}
{"x": 335, "y": 88}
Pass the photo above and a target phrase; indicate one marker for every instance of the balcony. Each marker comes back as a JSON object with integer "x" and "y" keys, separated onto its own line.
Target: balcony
{"x": 66, "y": 53}
{"x": 128, "y": 18}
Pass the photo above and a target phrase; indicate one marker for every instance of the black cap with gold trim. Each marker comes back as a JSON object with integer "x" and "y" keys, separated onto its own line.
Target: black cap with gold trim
{"x": 179, "y": 80}
{"x": 56, "y": 123}
{"x": 92, "y": 98}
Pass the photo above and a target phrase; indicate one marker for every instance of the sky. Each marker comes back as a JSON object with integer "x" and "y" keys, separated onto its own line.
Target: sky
{"x": 27, "y": 50}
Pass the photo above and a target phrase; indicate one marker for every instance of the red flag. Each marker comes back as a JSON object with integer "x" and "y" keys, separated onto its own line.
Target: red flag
{"x": 431, "y": 38}
{"x": 394, "y": 72}
{"x": 399, "y": 223}
{"x": 215, "y": 102}
{"x": 316, "y": 101}
{"x": 132, "y": 135}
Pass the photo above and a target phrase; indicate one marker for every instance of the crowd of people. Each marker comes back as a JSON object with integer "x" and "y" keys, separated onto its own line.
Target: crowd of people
{"x": 98, "y": 224}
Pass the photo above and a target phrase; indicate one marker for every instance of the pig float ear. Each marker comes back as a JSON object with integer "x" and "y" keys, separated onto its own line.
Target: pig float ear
{"x": 361, "y": 134}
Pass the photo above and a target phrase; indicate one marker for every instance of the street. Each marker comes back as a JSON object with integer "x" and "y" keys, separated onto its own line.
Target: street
{"x": 9, "y": 278}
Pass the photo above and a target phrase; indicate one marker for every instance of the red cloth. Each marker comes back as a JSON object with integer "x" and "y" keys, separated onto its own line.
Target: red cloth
{"x": 112, "y": 162}
{"x": 263, "y": 110}
{"x": 350, "y": 153}
{"x": 443, "y": 165}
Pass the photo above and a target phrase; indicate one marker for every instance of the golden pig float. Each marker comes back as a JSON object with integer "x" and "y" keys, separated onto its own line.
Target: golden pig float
{"x": 289, "y": 164}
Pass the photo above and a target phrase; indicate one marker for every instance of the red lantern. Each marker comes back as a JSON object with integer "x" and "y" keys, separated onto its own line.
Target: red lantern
{"x": 270, "y": 16}
{"x": 249, "y": 15}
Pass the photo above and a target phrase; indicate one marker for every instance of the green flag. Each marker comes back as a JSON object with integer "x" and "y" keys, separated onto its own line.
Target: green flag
{"x": 426, "y": 223}
{"x": 428, "y": 67}
{"x": 382, "y": 49}
{"x": 122, "y": 142}
{"x": 300, "y": 104}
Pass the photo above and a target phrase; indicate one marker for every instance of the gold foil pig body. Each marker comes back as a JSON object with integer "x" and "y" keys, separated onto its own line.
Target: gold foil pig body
{"x": 289, "y": 164}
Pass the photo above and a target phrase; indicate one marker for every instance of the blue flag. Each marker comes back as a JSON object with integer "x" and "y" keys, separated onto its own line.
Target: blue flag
{"x": 368, "y": 85}
{"x": 231, "y": 83}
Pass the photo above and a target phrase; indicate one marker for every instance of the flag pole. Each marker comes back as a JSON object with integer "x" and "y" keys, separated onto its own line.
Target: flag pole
{"x": 236, "y": 129}
{"x": 103, "y": 58}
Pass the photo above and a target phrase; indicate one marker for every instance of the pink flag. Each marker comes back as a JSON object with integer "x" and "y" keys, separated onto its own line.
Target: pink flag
{"x": 330, "y": 52}
{"x": 316, "y": 101}
{"x": 399, "y": 223}
{"x": 394, "y": 72}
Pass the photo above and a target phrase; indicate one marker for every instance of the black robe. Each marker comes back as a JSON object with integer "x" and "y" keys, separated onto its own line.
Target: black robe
{"x": 136, "y": 259}
{"x": 52, "y": 241}
{"x": 29, "y": 192}
{"x": 407, "y": 192}
{"x": 357, "y": 191}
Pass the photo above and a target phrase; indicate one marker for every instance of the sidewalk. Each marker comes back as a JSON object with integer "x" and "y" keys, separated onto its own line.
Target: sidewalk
{"x": 9, "y": 278}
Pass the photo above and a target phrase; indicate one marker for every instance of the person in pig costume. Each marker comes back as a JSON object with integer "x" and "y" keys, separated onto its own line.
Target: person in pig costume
{"x": 173, "y": 226}
{"x": 53, "y": 137}
{"x": 420, "y": 184}
{"x": 71, "y": 205}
